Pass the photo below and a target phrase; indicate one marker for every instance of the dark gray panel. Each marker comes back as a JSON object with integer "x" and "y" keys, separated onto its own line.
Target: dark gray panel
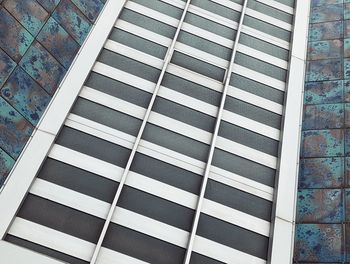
{"x": 257, "y": 88}
{"x": 138, "y": 43}
{"x": 107, "y": 116}
{"x": 244, "y": 167}
{"x": 147, "y": 23}
{"x": 248, "y": 138}
{"x": 161, "y": 7}
{"x": 176, "y": 142}
{"x": 44, "y": 250}
{"x": 205, "y": 45}
{"x": 261, "y": 66}
{"x": 200, "y": 259}
{"x": 118, "y": 89}
{"x": 61, "y": 218}
{"x": 264, "y": 46}
{"x": 191, "y": 89}
{"x": 129, "y": 65}
{"x": 210, "y": 26}
{"x": 238, "y": 199}
{"x": 78, "y": 180}
{"x": 267, "y": 28}
{"x": 253, "y": 112}
{"x": 141, "y": 246}
{"x": 184, "y": 114}
{"x": 217, "y": 9}
{"x": 198, "y": 66}
{"x": 167, "y": 173}
{"x": 93, "y": 146}
{"x": 156, "y": 208}
{"x": 270, "y": 11}
{"x": 233, "y": 236}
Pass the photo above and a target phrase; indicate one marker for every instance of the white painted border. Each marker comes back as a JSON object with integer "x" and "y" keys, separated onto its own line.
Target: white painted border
{"x": 26, "y": 167}
{"x": 282, "y": 242}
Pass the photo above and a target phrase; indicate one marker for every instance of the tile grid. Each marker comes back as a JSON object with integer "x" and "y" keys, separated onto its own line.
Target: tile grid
{"x": 322, "y": 192}
{"x": 39, "y": 40}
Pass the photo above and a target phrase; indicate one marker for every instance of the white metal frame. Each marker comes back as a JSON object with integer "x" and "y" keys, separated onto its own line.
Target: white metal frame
{"x": 167, "y": 59}
{"x": 214, "y": 139}
{"x": 282, "y": 242}
{"x": 34, "y": 153}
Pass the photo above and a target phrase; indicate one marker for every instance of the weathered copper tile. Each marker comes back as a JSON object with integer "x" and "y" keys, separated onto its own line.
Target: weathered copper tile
{"x": 90, "y": 8}
{"x": 347, "y": 68}
{"x": 320, "y": 206}
{"x": 347, "y": 115}
{"x": 347, "y": 242}
{"x": 49, "y": 5}
{"x": 321, "y": 173}
{"x": 72, "y": 20}
{"x": 29, "y": 13}
{"x": 325, "y": 2}
{"x": 323, "y": 116}
{"x": 347, "y": 142}
{"x": 347, "y": 171}
{"x": 347, "y": 205}
{"x": 325, "y": 13}
{"x": 322, "y": 143}
{"x": 15, "y": 130}
{"x": 347, "y": 11}
{"x": 43, "y": 67}
{"x": 58, "y": 42}
{"x": 326, "y": 30}
{"x": 324, "y": 70}
{"x": 346, "y": 28}
{"x": 324, "y": 92}
{"x": 347, "y": 47}
{"x": 23, "y": 93}
{"x": 318, "y": 243}
{"x": 326, "y": 49}
{"x": 6, "y": 66}
{"x": 6, "y": 164}
{"x": 14, "y": 39}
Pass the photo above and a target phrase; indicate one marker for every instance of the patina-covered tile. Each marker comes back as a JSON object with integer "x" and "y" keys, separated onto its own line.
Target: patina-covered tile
{"x": 323, "y": 143}
{"x": 347, "y": 115}
{"x": 347, "y": 205}
{"x": 22, "y": 92}
{"x": 72, "y": 20}
{"x": 347, "y": 11}
{"x": 49, "y": 5}
{"x": 325, "y": 2}
{"x": 326, "y": 30}
{"x": 346, "y": 28}
{"x": 58, "y": 42}
{"x": 347, "y": 242}
{"x": 15, "y": 130}
{"x": 318, "y": 243}
{"x": 6, "y": 66}
{"x": 347, "y": 68}
{"x": 326, "y": 49}
{"x": 347, "y": 142}
{"x": 347, "y": 47}
{"x": 6, "y": 164}
{"x": 320, "y": 206}
{"x": 324, "y": 70}
{"x": 43, "y": 67}
{"x": 347, "y": 171}
{"x": 325, "y": 13}
{"x": 14, "y": 38}
{"x": 322, "y": 173}
{"x": 90, "y": 8}
{"x": 323, "y": 116}
{"x": 324, "y": 92}
{"x": 29, "y": 13}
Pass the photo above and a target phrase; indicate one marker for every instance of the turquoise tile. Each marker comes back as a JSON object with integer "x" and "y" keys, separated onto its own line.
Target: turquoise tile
{"x": 6, "y": 164}
{"x": 326, "y": 30}
{"x": 325, "y": 13}
{"x": 49, "y": 5}
{"x": 29, "y": 13}
{"x": 324, "y": 70}
{"x": 324, "y": 92}
{"x": 15, "y": 130}
{"x": 7, "y": 65}
{"x": 58, "y": 42}
{"x": 320, "y": 206}
{"x": 90, "y": 8}
{"x": 318, "y": 243}
{"x": 326, "y": 49}
{"x": 325, "y": 2}
{"x": 43, "y": 67}
{"x": 347, "y": 11}
{"x": 323, "y": 116}
{"x": 23, "y": 93}
{"x": 322, "y": 143}
{"x": 14, "y": 38}
{"x": 72, "y": 20}
{"x": 322, "y": 173}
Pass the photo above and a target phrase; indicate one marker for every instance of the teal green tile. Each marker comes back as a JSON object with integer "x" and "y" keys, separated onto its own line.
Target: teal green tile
{"x": 7, "y": 65}
{"x": 6, "y": 164}
{"x": 323, "y": 116}
{"x": 326, "y": 30}
{"x": 49, "y": 5}
{"x": 325, "y": 13}
{"x": 325, "y": 70}
{"x": 90, "y": 8}
{"x": 324, "y": 92}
